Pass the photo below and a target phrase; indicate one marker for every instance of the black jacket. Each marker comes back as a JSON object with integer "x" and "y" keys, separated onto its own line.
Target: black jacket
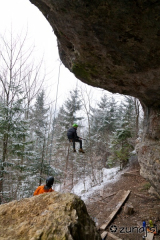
{"x": 72, "y": 133}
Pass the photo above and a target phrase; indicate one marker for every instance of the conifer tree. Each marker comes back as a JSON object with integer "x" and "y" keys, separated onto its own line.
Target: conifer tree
{"x": 104, "y": 121}
{"x": 123, "y": 140}
{"x": 68, "y": 114}
{"x": 128, "y": 116}
{"x": 121, "y": 147}
{"x": 105, "y": 116}
{"x": 40, "y": 131}
{"x": 14, "y": 145}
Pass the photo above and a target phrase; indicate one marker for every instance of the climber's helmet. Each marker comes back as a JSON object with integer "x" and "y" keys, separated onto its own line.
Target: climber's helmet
{"x": 49, "y": 181}
{"x": 75, "y": 125}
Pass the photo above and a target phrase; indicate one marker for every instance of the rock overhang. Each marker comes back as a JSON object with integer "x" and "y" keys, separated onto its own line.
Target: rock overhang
{"x": 110, "y": 44}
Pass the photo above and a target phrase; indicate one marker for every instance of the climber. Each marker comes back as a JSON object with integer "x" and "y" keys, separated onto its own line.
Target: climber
{"x": 45, "y": 188}
{"x": 72, "y": 137}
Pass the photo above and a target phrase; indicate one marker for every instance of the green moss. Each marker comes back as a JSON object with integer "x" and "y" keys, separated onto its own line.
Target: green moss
{"x": 80, "y": 71}
{"x": 85, "y": 72}
{"x": 145, "y": 186}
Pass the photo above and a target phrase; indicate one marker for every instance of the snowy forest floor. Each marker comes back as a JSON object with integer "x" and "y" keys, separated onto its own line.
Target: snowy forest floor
{"x": 146, "y": 206}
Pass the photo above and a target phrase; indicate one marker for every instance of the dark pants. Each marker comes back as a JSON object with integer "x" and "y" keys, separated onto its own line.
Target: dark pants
{"x": 76, "y": 140}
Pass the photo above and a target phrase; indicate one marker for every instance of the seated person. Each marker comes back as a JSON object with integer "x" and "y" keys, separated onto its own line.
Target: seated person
{"x": 45, "y": 188}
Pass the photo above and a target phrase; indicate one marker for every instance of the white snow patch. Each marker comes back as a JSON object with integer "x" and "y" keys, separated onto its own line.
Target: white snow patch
{"x": 85, "y": 188}
{"x": 109, "y": 176}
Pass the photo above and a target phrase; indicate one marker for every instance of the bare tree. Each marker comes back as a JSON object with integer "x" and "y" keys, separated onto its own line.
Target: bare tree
{"x": 86, "y": 98}
{"x": 19, "y": 79}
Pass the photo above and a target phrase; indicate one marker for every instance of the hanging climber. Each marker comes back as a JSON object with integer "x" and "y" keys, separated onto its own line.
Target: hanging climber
{"x": 45, "y": 188}
{"x": 72, "y": 137}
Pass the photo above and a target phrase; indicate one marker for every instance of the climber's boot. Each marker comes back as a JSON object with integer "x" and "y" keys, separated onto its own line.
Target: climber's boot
{"x": 81, "y": 150}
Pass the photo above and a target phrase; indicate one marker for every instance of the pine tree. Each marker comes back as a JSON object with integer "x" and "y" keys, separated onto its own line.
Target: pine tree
{"x": 121, "y": 147}
{"x": 128, "y": 114}
{"x": 68, "y": 114}
{"x": 104, "y": 122}
{"x": 39, "y": 128}
{"x": 71, "y": 106}
{"x": 105, "y": 117}
{"x": 123, "y": 140}
{"x": 14, "y": 145}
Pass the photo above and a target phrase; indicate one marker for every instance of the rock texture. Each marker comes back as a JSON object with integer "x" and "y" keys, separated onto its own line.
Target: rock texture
{"x": 48, "y": 216}
{"x": 114, "y": 45}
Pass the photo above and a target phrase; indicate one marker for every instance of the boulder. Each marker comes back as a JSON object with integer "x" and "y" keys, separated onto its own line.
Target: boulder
{"x": 48, "y": 216}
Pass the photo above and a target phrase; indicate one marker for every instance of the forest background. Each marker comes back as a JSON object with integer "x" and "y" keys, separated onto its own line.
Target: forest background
{"x": 33, "y": 140}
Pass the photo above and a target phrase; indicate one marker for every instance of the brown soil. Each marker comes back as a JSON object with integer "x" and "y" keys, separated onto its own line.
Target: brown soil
{"x": 146, "y": 207}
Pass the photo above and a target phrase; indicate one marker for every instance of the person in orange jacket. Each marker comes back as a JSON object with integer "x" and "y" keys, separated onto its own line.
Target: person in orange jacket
{"x": 45, "y": 188}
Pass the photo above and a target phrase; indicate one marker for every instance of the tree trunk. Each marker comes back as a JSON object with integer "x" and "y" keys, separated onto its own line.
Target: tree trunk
{"x": 5, "y": 144}
{"x": 42, "y": 161}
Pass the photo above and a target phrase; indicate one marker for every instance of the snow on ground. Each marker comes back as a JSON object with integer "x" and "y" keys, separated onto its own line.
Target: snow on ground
{"x": 109, "y": 176}
{"x": 85, "y": 187}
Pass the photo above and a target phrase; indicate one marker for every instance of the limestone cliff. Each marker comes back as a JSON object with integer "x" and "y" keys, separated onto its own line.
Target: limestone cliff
{"x": 114, "y": 45}
{"x": 48, "y": 216}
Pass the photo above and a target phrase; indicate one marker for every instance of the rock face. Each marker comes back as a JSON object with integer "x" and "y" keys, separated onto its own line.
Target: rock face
{"x": 114, "y": 45}
{"x": 48, "y": 216}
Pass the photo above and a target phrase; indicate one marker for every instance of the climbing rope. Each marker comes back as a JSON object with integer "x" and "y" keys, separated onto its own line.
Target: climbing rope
{"x": 51, "y": 145}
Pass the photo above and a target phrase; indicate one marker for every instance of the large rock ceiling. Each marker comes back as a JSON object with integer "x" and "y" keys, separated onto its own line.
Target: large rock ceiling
{"x": 110, "y": 44}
